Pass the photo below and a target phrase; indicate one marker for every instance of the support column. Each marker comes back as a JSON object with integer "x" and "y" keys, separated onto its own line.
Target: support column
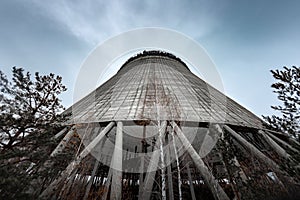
{"x": 116, "y": 183}
{"x": 62, "y": 145}
{"x": 75, "y": 162}
{"x": 150, "y": 176}
{"x": 142, "y": 168}
{"x": 290, "y": 139}
{"x": 177, "y": 164}
{"x": 191, "y": 182}
{"x": 161, "y": 133}
{"x": 169, "y": 171}
{"x": 283, "y": 142}
{"x": 60, "y": 133}
{"x": 152, "y": 167}
{"x": 209, "y": 179}
{"x": 262, "y": 157}
{"x": 88, "y": 188}
{"x": 274, "y": 145}
{"x": 107, "y": 184}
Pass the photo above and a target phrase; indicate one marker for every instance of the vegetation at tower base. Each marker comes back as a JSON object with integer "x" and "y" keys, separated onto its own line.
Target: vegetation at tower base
{"x": 287, "y": 89}
{"x": 30, "y": 116}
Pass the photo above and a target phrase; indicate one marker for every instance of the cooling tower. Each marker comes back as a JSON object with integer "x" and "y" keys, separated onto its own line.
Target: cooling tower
{"x": 157, "y": 131}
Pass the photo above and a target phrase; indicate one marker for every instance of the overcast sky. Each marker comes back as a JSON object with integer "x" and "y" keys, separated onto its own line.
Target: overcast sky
{"x": 244, "y": 38}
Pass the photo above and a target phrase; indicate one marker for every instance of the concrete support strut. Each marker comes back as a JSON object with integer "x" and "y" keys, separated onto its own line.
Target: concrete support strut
{"x": 152, "y": 167}
{"x": 88, "y": 188}
{"x": 283, "y": 143}
{"x": 191, "y": 182}
{"x": 67, "y": 172}
{"x": 107, "y": 184}
{"x": 60, "y": 133}
{"x": 169, "y": 172}
{"x": 279, "y": 150}
{"x": 116, "y": 183}
{"x": 262, "y": 157}
{"x": 63, "y": 143}
{"x": 209, "y": 179}
{"x": 161, "y": 133}
{"x": 177, "y": 165}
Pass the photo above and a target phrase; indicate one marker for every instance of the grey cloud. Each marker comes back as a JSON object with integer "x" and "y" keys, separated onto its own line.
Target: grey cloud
{"x": 94, "y": 21}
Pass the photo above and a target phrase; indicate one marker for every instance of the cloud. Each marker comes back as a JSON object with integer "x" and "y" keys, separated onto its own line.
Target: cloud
{"x": 94, "y": 21}
{"x": 244, "y": 39}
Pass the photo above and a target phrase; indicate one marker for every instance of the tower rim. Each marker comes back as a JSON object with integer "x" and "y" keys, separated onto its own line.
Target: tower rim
{"x": 153, "y": 53}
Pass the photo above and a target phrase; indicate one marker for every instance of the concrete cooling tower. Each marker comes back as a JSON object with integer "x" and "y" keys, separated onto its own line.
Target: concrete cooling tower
{"x": 157, "y": 131}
